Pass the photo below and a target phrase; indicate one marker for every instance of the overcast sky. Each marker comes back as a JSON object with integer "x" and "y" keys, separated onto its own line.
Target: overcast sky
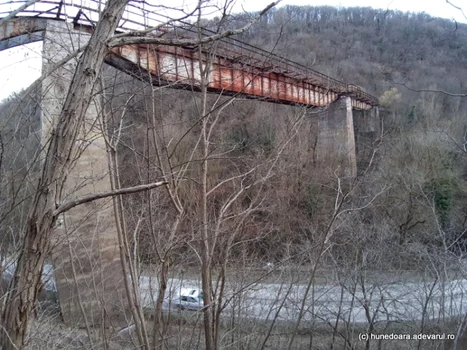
{"x": 20, "y": 67}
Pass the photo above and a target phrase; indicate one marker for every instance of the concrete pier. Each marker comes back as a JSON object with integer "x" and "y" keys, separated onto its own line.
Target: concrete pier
{"x": 336, "y": 139}
{"x": 86, "y": 252}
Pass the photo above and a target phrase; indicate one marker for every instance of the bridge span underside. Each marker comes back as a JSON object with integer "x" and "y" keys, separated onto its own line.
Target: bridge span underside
{"x": 180, "y": 68}
{"x": 87, "y": 260}
{"x": 228, "y": 72}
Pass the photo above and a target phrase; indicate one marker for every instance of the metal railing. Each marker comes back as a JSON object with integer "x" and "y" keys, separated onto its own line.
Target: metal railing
{"x": 141, "y": 15}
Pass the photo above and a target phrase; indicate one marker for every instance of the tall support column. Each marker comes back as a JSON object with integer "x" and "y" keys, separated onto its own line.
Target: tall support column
{"x": 367, "y": 126}
{"x": 336, "y": 139}
{"x": 86, "y": 250}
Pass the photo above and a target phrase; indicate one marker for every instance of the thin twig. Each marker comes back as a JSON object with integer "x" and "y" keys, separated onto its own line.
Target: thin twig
{"x": 92, "y": 197}
{"x": 18, "y": 10}
{"x": 432, "y": 90}
{"x": 133, "y": 39}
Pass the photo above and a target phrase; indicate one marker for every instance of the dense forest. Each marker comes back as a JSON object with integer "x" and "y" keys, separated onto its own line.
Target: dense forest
{"x": 405, "y": 214}
{"x": 405, "y": 59}
{"x": 418, "y": 159}
{"x": 372, "y": 48}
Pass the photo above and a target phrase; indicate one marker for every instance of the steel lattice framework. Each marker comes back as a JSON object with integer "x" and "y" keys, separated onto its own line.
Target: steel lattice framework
{"x": 235, "y": 67}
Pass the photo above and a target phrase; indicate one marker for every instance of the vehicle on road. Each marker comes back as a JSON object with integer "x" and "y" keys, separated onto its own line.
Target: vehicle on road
{"x": 189, "y": 299}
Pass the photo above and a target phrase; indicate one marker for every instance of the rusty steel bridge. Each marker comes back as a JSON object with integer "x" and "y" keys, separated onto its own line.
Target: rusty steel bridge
{"x": 235, "y": 67}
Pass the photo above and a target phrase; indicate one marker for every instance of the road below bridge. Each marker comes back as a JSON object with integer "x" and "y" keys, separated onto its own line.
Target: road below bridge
{"x": 326, "y": 303}
{"x": 400, "y": 301}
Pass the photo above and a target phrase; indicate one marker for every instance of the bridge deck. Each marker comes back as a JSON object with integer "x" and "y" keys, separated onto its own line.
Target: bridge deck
{"x": 234, "y": 67}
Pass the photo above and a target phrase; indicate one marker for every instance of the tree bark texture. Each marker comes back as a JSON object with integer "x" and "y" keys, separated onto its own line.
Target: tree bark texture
{"x": 25, "y": 284}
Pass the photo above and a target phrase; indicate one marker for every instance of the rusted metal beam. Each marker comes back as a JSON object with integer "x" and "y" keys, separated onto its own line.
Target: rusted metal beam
{"x": 270, "y": 78}
{"x": 21, "y": 40}
{"x": 24, "y": 28}
{"x": 181, "y": 68}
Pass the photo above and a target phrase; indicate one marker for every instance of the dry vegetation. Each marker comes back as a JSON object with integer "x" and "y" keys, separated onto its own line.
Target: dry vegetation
{"x": 246, "y": 185}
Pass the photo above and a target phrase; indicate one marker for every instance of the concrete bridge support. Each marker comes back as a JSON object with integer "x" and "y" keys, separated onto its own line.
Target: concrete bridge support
{"x": 347, "y": 137}
{"x": 336, "y": 146}
{"x": 86, "y": 256}
{"x": 367, "y": 129}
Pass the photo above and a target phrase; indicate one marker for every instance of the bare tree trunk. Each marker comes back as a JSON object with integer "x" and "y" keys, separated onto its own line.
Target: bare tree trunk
{"x": 206, "y": 247}
{"x": 41, "y": 222}
{"x": 130, "y": 276}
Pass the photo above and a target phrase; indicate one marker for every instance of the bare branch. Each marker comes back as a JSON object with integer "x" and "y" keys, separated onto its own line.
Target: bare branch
{"x": 92, "y": 197}
{"x": 132, "y": 39}
{"x": 242, "y": 175}
{"x": 432, "y": 90}
{"x": 461, "y": 147}
{"x": 366, "y": 205}
{"x": 156, "y": 28}
{"x": 18, "y": 10}
{"x": 457, "y": 8}
{"x": 8, "y": 337}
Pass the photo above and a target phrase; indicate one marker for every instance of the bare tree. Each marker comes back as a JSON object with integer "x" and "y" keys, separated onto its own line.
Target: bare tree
{"x": 48, "y": 203}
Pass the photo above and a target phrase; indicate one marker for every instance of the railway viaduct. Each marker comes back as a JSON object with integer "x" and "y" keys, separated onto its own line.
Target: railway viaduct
{"x": 87, "y": 262}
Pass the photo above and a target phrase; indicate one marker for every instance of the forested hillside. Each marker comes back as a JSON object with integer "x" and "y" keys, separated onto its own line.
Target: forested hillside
{"x": 399, "y": 57}
{"x": 274, "y": 198}
{"x": 410, "y": 194}
{"x": 368, "y": 47}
